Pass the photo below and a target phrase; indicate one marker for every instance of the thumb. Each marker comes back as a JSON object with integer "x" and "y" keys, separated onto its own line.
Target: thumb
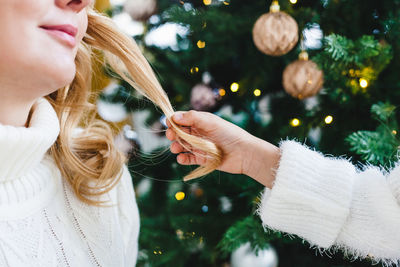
{"x": 184, "y": 118}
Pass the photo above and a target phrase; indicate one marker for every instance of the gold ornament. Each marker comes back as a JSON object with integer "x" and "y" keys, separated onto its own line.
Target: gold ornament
{"x": 140, "y": 10}
{"x": 302, "y": 78}
{"x": 275, "y": 33}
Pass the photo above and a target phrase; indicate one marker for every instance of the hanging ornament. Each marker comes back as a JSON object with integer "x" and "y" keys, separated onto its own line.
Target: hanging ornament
{"x": 203, "y": 97}
{"x": 302, "y": 78}
{"x": 275, "y": 33}
{"x": 226, "y": 204}
{"x": 127, "y": 142}
{"x": 159, "y": 127}
{"x": 140, "y": 10}
{"x": 244, "y": 257}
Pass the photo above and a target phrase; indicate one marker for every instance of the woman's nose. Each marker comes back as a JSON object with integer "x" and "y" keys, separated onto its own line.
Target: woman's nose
{"x": 75, "y": 5}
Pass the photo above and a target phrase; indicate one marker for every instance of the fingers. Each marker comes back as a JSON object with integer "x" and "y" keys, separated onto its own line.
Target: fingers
{"x": 189, "y": 118}
{"x": 176, "y": 148}
{"x": 171, "y": 134}
{"x": 191, "y": 159}
{"x": 188, "y": 157}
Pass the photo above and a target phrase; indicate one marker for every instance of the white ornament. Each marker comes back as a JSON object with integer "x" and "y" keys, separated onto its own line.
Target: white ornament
{"x": 226, "y": 204}
{"x": 141, "y": 10}
{"x": 245, "y": 257}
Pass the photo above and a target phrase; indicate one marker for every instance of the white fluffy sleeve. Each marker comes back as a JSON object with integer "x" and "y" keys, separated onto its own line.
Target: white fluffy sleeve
{"x": 333, "y": 205}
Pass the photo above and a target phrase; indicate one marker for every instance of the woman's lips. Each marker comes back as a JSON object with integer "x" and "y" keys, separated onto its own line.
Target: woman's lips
{"x": 65, "y": 33}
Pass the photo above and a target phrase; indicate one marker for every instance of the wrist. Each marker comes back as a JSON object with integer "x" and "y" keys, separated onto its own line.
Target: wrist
{"x": 261, "y": 161}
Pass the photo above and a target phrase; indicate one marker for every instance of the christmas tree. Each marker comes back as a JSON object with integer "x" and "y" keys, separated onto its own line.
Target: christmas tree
{"x": 216, "y": 65}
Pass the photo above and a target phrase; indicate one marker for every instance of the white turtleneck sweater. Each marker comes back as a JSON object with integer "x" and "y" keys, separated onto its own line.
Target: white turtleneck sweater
{"x": 333, "y": 205}
{"x": 42, "y": 222}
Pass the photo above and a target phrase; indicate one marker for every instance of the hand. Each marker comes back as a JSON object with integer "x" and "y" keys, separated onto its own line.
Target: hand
{"x": 242, "y": 152}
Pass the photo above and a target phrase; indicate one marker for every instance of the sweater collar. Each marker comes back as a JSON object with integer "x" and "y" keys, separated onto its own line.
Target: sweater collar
{"x": 21, "y": 148}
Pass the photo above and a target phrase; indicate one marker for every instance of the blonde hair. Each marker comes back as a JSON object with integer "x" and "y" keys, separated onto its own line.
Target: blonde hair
{"x": 89, "y": 161}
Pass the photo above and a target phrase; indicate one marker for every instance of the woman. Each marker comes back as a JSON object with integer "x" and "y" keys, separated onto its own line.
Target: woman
{"x": 326, "y": 201}
{"x": 66, "y": 197}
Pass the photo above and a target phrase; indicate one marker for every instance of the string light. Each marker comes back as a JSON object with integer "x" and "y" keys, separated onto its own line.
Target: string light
{"x": 234, "y": 87}
{"x": 180, "y": 196}
{"x": 394, "y": 132}
{"x": 201, "y": 44}
{"x": 257, "y": 92}
{"x": 194, "y": 70}
{"x": 363, "y": 83}
{"x": 295, "y": 122}
{"x": 293, "y": 1}
{"x": 328, "y": 119}
{"x": 222, "y": 92}
{"x": 226, "y": 3}
{"x": 207, "y": 2}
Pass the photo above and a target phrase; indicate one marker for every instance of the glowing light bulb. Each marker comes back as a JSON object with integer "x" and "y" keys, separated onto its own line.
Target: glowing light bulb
{"x": 201, "y": 44}
{"x": 295, "y": 122}
{"x": 293, "y": 1}
{"x": 328, "y": 119}
{"x": 363, "y": 83}
{"x": 194, "y": 70}
{"x": 394, "y": 132}
{"x": 180, "y": 196}
{"x": 257, "y": 92}
{"x": 207, "y": 2}
{"x": 222, "y": 92}
{"x": 234, "y": 87}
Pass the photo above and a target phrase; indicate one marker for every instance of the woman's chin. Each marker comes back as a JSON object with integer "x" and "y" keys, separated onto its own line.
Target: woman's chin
{"x": 63, "y": 77}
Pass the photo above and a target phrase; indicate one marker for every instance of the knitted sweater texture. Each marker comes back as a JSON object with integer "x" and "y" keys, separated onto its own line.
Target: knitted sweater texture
{"x": 42, "y": 222}
{"x": 333, "y": 205}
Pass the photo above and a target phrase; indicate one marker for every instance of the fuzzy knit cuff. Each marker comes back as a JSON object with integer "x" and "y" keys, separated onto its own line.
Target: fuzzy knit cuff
{"x": 311, "y": 195}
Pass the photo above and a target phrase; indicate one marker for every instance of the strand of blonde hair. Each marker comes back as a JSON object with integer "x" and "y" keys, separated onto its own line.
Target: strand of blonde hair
{"x": 89, "y": 161}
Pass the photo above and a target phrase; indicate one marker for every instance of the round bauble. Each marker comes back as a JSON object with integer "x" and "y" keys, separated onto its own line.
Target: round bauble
{"x": 275, "y": 33}
{"x": 302, "y": 78}
{"x": 140, "y": 10}
{"x": 203, "y": 97}
{"x": 245, "y": 257}
{"x": 127, "y": 142}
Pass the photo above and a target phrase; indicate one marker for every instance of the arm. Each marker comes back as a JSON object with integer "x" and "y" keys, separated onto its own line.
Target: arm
{"x": 331, "y": 204}
{"x": 326, "y": 201}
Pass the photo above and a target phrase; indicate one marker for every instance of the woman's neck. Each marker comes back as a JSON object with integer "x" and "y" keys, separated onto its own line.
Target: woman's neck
{"x": 15, "y": 113}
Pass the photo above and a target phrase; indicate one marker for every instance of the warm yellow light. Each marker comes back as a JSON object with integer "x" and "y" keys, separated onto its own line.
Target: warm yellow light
{"x": 226, "y": 3}
{"x": 295, "y": 122}
{"x": 180, "y": 196}
{"x": 394, "y": 132}
{"x": 328, "y": 119}
{"x": 363, "y": 83}
{"x": 257, "y": 92}
{"x": 222, "y": 92}
{"x": 201, "y": 44}
{"x": 194, "y": 70}
{"x": 293, "y": 1}
{"x": 234, "y": 87}
{"x": 207, "y": 2}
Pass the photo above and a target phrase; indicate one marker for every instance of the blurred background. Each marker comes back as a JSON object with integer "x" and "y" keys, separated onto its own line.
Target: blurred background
{"x": 323, "y": 72}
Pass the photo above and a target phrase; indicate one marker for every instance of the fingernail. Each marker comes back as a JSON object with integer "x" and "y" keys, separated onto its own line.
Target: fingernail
{"x": 178, "y": 116}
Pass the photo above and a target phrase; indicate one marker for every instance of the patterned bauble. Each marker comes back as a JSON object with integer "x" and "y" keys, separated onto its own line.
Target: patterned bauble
{"x": 203, "y": 97}
{"x": 303, "y": 78}
{"x": 275, "y": 33}
{"x": 140, "y": 10}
